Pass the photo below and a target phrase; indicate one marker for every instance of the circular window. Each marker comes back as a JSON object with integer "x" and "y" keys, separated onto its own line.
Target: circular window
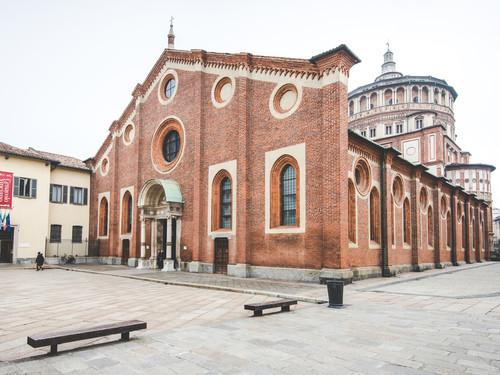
{"x": 444, "y": 206}
{"x": 398, "y": 189}
{"x": 362, "y": 176}
{"x": 129, "y": 134}
{"x": 104, "y": 166}
{"x": 170, "y": 88}
{"x": 167, "y": 87}
{"x": 168, "y": 145}
{"x": 423, "y": 199}
{"x": 285, "y": 100}
{"x": 171, "y": 145}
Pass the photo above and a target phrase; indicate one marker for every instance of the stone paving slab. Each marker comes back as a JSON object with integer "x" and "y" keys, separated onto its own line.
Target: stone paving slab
{"x": 388, "y": 326}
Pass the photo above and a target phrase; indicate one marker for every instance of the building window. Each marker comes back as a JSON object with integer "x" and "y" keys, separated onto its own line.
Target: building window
{"x": 24, "y": 187}
{"x": 463, "y": 231}
{"x": 55, "y": 233}
{"x": 170, "y": 88}
{"x": 288, "y": 189}
{"x": 76, "y": 236}
{"x": 58, "y": 193}
{"x": 127, "y": 213}
{"x": 103, "y": 217}
{"x": 171, "y": 145}
{"x": 430, "y": 227}
{"x": 351, "y": 192}
{"x": 406, "y": 222}
{"x": 285, "y": 210}
{"x": 399, "y": 128}
{"x": 362, "y": 176}
{"x": 363, "y": 133}
{"x": 388, "y": 129}
{"x": 373, "y": 133}
{"x": 225, "y": 203}
{"x": 419, "y": 123}
{"x": 374, "y": 216}
{"x": 78, "y": 195}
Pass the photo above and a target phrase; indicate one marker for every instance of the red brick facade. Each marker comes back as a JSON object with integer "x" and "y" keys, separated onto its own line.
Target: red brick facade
{"x": 247, "y": 117}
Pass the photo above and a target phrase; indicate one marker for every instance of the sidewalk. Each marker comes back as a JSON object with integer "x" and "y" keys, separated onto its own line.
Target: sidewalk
{"x": 434, "y": 322}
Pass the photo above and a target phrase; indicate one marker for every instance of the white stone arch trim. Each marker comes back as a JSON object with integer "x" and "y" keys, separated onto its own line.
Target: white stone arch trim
{"x": 183, "y": 143}
{"x": 299, "y": 153}
{"x": 280, "y": 85}
{"x": 216, "y": 88}
{"x": 232, "y": 168}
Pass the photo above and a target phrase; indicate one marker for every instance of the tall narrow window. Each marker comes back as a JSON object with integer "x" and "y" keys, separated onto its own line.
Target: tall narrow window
{"x": 463, "y": 232}
{"x": 225, "y": 203}
{"x": 351, "y": 192}
{"x": 103, "y": 217}
{"x": 430, "y": 226}
{"x": 288, "y": 195}
{"x": 374, "y": 216}
{"x": 406, "y": 222}
{"x": 127, "y": 213}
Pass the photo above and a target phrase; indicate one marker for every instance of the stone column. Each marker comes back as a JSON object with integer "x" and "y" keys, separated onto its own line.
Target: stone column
{"x": 143, "y": 262}
{"x": 154, "y": 243}
{"x": 168, "y": 264}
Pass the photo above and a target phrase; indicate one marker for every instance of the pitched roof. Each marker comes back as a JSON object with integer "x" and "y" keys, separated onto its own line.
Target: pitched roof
{"x": 60, "y": 160}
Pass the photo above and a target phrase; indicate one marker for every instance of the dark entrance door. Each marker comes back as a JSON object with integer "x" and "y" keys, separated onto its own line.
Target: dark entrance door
{"x": 174, "y": 241}
{"x": 221, "y": 255}
{"x": 125, "y": 251}
{"x": 6, "y": 243}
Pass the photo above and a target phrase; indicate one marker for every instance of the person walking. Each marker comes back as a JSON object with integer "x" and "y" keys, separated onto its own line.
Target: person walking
{"x": 39, "y": 261}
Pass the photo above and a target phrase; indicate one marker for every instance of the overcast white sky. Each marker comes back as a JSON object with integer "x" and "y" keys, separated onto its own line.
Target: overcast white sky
{"x": 68, "y": 67}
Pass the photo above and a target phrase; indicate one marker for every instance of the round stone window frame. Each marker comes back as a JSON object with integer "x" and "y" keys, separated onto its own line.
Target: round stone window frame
{"x": 398, "y": 189}
{"x": 104, "y": 167}
{"x": 219, "y": 83}
{"x": 365, "y": 178}
{"x": 166, "y": 126}
{"x": 169, "y": 74}
{"x": 443, "y": 203}
{"x": 278, "y": 93}
{"x": 128, "y": 134}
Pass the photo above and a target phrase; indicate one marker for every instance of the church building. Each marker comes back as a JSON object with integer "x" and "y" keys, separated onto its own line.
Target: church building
{"x": 244, "y": 165}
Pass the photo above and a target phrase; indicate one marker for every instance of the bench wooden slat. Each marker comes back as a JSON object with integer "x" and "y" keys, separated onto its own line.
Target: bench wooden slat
{"x": 258, "y": 307}
{"x": 61, "y": 337}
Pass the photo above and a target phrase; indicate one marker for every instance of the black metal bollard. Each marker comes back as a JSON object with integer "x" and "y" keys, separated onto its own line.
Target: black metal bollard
{"x": 335, "y": 293}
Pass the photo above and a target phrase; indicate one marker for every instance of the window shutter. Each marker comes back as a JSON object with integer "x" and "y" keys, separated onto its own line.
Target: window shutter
{"x": 85, "y": 196}
{"x": 16, "y": 186}
{"x": 33, "y": 188}
{"x": 50, "y": 192}
{"x": 65, "y": 194}
{"x": 71, "y": 194}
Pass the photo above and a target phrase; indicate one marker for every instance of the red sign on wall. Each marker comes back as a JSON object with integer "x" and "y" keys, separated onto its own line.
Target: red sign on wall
{"x": 6, "y": 189}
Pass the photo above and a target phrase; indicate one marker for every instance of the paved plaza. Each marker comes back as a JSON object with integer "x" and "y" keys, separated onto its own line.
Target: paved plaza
{"x": 434, "y": 322}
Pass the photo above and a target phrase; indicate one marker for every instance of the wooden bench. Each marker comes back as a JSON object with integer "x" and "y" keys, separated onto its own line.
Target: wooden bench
{"x": 55, "y": 338}
{"x": 258, "y": 307}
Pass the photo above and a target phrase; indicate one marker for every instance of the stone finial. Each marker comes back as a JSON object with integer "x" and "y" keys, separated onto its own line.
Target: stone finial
{"x": 171, "y": 35}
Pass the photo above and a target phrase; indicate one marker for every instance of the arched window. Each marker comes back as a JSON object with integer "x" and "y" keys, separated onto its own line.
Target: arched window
{"x": 430, "y": 226}
{"x": 425, "y": 95}
{"x": 414, "y": 94}
{"x": 222, "y": 201}
{"x": 288, "y": 181}
{"x": 400, "y": 95}
{"x": 127, "y": 213}
{"x": 363, "y": 103}
{"x": 374, "y": 216}
{"x": 351, "y": 192}
{"x": 388, "y": 97}
{"x": 285, "y": 208}
{"x": 463, "y": 232}
{"x": 448, "y": 229}
{"x": 103, "y": 217}
{"x": 373, "y": 100}
{"x": 225, "y": 203}
{"x": 406, "y": 222}
{"x": 393, "y": 232}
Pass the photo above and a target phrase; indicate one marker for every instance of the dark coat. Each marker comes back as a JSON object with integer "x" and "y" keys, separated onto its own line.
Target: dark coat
{"x": 40, "y": 259}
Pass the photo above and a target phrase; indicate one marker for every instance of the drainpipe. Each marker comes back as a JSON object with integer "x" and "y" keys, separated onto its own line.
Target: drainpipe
{"x": 383, "y": 227}
{"x": 453, "y": 231}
